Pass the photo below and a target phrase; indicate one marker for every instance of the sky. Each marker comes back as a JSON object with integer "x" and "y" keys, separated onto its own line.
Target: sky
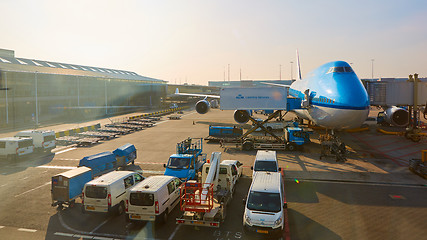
{"x": 194, "y": 41}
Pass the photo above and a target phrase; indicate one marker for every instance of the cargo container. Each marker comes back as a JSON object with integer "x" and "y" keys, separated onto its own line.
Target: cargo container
{"x": 68, "y": 186}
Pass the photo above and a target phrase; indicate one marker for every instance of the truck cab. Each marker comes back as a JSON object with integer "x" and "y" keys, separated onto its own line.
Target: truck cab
{"x": 184, "y": 166}
{"x": 187, "y": 161}
{"x": 295, "y": 136}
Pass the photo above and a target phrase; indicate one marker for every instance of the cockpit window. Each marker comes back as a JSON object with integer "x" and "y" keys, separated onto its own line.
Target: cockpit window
{"x": 348, "y": 69}
{"x": 340, "y": 69}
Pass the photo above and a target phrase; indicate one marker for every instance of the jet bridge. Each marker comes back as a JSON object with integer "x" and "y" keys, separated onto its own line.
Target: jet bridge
{"x": 392, "y": 93}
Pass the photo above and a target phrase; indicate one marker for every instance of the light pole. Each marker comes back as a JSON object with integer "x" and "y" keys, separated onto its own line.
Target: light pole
{"x": 372, "y": 64}
{"x": 280, "y": 72}
{"x": 37, "y": 107}
{"x": 291, "y": 69}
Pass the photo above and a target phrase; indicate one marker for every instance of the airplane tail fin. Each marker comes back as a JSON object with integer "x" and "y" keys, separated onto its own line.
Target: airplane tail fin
{"x": 298, "y": 67}
{"x": 176, "y": 91}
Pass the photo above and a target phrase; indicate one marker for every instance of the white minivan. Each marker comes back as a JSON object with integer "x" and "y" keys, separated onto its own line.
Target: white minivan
{"x": 108, "y": 192}
{"x": 13, "y": 148}
{"x": 152, "y": 199}
{"x": 265, "y": 160}
{"x": 264, "y": 206}
{"x": 43, "y": 140}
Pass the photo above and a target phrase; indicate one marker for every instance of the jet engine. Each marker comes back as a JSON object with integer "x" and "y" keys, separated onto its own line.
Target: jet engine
{"x": 242, "y": 116}
{"x": 203, "y": 106}
{"x": 397, "y": 116}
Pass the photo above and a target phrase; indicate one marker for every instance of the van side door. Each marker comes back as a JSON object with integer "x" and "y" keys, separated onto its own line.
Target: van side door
{"x": 173, "y": 190}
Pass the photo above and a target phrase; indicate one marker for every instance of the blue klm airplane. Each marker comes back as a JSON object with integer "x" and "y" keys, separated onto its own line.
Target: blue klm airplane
{"x": 333, "y": 97}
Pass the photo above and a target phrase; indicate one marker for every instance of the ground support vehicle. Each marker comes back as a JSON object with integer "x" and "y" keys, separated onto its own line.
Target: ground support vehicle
{"x": 43, "y": 140}
{"x": 216, "y": 133}
{"x": 152, "y": 199}
{"x": 229, "y": 173}
{"x": 125, "y": 154}
{"x": 67, "y": 186}
{"x": 108, "y": 193}
{"x": 187, "y": 161}
{"x": 203, "y": 203}
{"x": 332, "y": 146}
{"x": 12, "y": 148}
{"x": 419, "y": 166}
{"x": 100, "y": 163}
{"x": 294, "y": 138}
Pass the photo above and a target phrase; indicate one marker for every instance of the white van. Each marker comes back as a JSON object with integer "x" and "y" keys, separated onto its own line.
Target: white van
{"x": 12, "y": 148}
{"x": 265, "y": 160}
{"x": 43, "y": 140}
{"x": 229, "y": 174}
{"x": 265, "y": 204}
{"x": 153, "y": 199}
{"x": 108, "y": 192}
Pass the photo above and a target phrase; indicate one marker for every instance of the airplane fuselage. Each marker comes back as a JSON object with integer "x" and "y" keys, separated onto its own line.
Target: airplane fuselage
{"x": 337, "y": 97}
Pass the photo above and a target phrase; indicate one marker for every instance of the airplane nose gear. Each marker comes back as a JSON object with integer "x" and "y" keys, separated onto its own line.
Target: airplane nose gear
{"x": 332, "y": 146}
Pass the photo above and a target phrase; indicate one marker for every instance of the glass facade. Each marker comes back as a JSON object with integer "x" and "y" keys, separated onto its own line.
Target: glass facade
{"x": 28, "y": 98}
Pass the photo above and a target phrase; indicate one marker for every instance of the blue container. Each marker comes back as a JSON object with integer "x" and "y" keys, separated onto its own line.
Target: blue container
{"x": 68, "y": 185}
{"x": 100, "y": 163}
{"x": 223, "y": 132}
{"x": 125, "y": 154}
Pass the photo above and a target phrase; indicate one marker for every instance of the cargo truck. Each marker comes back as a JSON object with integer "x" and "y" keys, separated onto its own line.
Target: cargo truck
{"x": 294, "y": 137}
{"x": 187, "y": 161}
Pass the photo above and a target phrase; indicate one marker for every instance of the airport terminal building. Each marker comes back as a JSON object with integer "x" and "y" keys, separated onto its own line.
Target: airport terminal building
{"x": 35, "y": 92}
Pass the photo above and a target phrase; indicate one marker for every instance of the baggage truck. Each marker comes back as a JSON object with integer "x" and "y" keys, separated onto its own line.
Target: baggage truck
{"x": 100, "y": 163}
{"x": 125, "y": 154}
{"x": 68, "y": 186}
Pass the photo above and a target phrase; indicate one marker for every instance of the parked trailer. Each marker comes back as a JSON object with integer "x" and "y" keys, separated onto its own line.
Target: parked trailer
{"x": 125, "y": 154}
{"x": 217, "y": 133}
{"x": 68, "y": 186}
{"x": 100, "y": 163}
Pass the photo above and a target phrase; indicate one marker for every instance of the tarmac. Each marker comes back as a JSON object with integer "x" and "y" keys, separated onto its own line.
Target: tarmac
{"x": 372, "y": 195}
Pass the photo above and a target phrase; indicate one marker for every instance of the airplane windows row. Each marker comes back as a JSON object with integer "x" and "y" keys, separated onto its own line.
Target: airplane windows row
{"x": 340, "y": 69}
{"x": 326, "y": 100}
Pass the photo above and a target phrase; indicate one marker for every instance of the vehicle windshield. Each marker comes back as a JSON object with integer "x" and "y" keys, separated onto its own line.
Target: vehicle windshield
{"x": 181, "y": 163}
{"x": 262, "y": 201}
{"x": 96, "y": 192}
{"x": 269, "y": 166}
{"x": 142, "y": 199}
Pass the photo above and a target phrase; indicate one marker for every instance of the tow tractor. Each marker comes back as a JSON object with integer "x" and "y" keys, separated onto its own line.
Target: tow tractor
{"x": 203, "y": 203}
{"x": 187, "y": 161}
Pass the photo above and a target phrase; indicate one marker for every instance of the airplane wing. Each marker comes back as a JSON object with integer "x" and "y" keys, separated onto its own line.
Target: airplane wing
{"x": 276, "y": 84}
{"x": 194, "y": 94}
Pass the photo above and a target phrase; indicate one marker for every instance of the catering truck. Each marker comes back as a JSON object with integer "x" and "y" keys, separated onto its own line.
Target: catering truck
{"x": 187, "y": 161}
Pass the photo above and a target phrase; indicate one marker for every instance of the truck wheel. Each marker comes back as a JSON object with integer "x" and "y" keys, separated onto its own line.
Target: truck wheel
{"x": 269, "y": 128}
{"x": 120, "y": 208}
{"x": 165, "y": 216}
{"x": 247, "y": 146}
{"x": 291, "y": 147}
